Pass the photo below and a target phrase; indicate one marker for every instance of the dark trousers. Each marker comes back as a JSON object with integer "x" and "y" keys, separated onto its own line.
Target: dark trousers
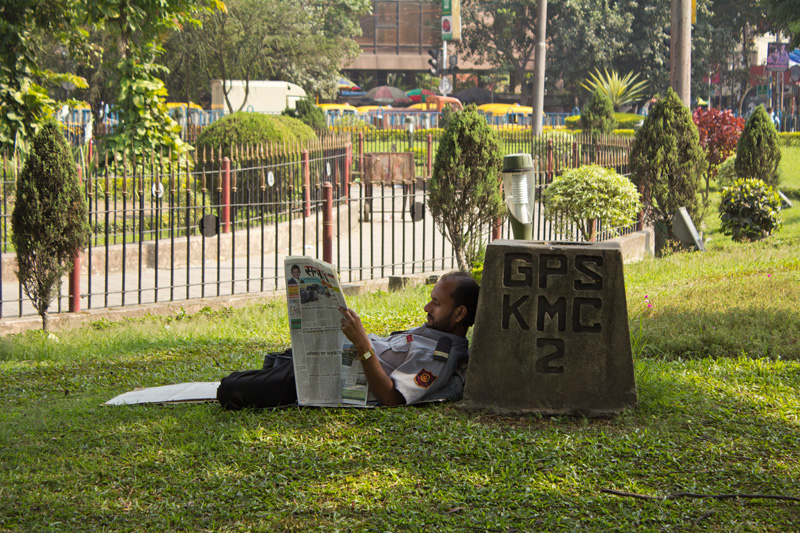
{"x": 271, "y": 387}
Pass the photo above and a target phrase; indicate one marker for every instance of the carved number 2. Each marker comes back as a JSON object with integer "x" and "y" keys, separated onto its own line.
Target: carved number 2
{"x": 543, "y": 364}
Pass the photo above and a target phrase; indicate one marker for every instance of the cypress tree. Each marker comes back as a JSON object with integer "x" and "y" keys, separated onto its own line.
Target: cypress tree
{"x": 49, "y": 219}
{"x": 667, "y": 163}
{"x": 758, "y": 153}
{"x": 465, "y": 193}
{"x": 598, "y": 117}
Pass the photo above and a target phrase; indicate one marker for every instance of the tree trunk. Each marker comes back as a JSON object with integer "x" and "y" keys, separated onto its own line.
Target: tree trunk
{"x": 45, "y": 320}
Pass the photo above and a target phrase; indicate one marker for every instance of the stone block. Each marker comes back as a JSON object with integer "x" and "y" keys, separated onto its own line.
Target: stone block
{"x": 551, "y": 333}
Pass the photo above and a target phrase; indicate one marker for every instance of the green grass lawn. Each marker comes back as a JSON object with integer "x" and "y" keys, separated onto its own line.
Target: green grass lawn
{"x": 717, "y": 361}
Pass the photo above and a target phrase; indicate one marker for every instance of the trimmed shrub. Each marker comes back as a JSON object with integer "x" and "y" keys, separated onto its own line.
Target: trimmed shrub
{"x": 244, "y": 128}
{"x": 307, "y": 113}
{"x": 588, "y": 193}
{"x": 667, "y": 163}
{"x": 49, "y": 219}
{"x": 465, "y": 194}
{"x": 598, "y": 117}
{"x": 625, "y": 121}
{"x": 758, "y": 153}
{"x": 750, "y": 210}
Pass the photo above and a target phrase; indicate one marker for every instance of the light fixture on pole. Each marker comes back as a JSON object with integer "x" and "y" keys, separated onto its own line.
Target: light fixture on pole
{"x": 518, "y": 185}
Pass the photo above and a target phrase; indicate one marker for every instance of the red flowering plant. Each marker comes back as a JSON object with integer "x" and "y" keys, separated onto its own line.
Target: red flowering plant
{"x": 719, "y": 132}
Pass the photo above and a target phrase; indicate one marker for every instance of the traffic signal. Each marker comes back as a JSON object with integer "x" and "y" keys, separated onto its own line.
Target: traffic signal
{"x": 452, "y": 61}
{"x": 434, "y": 61}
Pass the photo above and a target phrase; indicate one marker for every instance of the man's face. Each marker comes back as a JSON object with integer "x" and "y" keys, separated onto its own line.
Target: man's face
{"x": 296, "y": 273}
{"x": 441, "y": 310}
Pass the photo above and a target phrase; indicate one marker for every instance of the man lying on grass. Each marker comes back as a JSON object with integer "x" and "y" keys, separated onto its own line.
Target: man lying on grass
{"x": 413, "y": 366}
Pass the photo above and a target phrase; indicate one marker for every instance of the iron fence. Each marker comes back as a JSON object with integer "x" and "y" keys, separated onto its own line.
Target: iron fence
{"x": 165, "y": 229}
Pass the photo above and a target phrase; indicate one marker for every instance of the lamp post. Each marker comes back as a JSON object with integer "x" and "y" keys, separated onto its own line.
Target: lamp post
{"x": 518, "y": 187}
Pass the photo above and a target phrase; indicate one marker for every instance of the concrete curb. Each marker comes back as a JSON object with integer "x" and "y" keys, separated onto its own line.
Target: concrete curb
{"x": 635, "y": 247}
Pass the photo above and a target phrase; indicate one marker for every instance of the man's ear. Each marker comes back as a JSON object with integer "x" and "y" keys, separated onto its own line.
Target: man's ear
{"x": 461, "y": 313}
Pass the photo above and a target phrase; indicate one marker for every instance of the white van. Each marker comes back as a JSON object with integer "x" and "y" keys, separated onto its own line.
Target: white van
{"x": 262, "y": 96}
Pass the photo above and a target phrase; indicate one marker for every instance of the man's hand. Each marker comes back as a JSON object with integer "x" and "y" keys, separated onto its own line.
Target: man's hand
{"x": 354, "y": 330}
{"x": 380, "y": 383}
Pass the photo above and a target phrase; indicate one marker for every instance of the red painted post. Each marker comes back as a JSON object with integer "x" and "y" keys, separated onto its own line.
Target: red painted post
{"x": 327, "y": 223}
{"x": 348, "y": 150}
{"x": 226, "y": 195}
{"x": 75, "y": 274}
{"x": 430, "y": 155}
{"x": 306, "y": 164}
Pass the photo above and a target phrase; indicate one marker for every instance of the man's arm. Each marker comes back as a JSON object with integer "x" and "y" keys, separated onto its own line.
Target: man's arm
{"x": 380, "y": 383}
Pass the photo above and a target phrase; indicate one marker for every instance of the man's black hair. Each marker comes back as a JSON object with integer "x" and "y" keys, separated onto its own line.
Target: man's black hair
{"x": 465, "y": 293}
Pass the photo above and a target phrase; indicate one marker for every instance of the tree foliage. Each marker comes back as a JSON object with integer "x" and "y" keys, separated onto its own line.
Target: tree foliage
{"x": 308, "y": 113}
{"x": 49, "y": 219}
{"x": 588, "y": 193}
{"x": 465, "y": 193}
{"x": 757, "y": 153}
{"x": 297, "y": 41}
{"x": 24, "y": 99}
{"x": 719, "y": 132}
{"x": 667, "y": 162}
{"x": 784, "y": 15}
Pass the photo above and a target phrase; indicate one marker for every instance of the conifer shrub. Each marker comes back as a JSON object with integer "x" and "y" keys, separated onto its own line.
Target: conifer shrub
{"x": 308, "y": 113}
{"x": 667, "y": 164}
{"x": 758, "y": 153}
{"x": 49, "y": 219}
{"x": 749, "y": 210}
{"x": 598, "y": 117}
{"x": 465, "y": 195}
{"x": 726, "y": 172}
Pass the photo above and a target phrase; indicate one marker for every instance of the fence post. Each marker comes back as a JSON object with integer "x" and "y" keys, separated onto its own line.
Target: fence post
{"x": 361, "y": 154}
{"x": 575, "y": 154}
{"x": 327, "y": 222}
{"x": 429, "y": 161}
{"x": 306, "y": 183}
{"x": 75, "y": 274}
{"x": 549, "y": 160}
{"x": 226, "y": 195}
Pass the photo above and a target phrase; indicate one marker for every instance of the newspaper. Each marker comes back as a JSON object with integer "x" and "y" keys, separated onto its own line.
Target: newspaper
{"x": 325, "y": 366}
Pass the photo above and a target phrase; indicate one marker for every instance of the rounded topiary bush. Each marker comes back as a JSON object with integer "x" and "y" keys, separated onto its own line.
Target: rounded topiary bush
{"x": 244, "y": 128}
{"x": 758, "y": 153}
{"x": 750, "y": 210}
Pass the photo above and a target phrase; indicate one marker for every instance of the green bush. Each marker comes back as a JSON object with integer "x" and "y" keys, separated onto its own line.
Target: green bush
{"x": 308, "y": 113}
{"x": 598, "y": 117}
{"x": 667, "y": 163}
{"x": 750, "y": 210}
{"x": 244, "y": 128}
{"x": 588, "y": 193}
{"x": 50, "y": 217}
{"x": 726, "y": 172}
{"x": 465, "y": 195}
{"x": 757, "y": 153}
{"x": 625, "y": 121}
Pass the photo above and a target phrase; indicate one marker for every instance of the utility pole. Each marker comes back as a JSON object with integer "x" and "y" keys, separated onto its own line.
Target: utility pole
{"x": 538, "y": 67}
{"x": 680, "y": 50}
